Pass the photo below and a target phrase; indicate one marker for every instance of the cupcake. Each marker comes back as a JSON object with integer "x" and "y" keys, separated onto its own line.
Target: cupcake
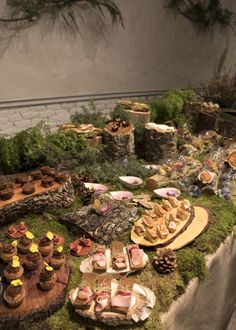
{"x": 25, "y": 242}
{"x": 8, "y": 251}
{"x": 14, "y": 293}
{"x": 14, "y": 270}
{"x": 22, "y": 227}
{"x": 47, "y": 278}
{"x": 33, "y": 258}
{"x": 46, "y": 244}
{"x": 57, "y": 259}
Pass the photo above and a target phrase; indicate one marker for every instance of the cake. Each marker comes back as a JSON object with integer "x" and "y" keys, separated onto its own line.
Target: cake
{"x": 33, "y": 258}
{"x": 47, "y": 278}
{"x": 14, "y": 293}
{"x": 25, "y": 242}
{"x": 8, "y": 251}
{"x": 57, "y": 259}
{"x": 14, "y": 270}
{"x": 46, "y": 244}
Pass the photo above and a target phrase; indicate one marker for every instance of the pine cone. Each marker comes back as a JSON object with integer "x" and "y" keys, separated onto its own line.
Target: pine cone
{"x": 86, "y": 195}
{"x": 165, "y": 261}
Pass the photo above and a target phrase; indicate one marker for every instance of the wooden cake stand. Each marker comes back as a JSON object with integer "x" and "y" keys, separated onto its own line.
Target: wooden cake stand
{"x": 37, "y": 304}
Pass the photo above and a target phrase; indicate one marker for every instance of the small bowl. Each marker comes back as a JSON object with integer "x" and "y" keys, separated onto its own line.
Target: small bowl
{"x": 131, "y": 182}
{"x": 167, "y": 192}
{"x": 122, "y": 195}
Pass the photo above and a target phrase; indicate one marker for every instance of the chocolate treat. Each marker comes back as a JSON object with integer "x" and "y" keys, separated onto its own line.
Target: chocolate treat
{"x": 58, "y": 258}
{"x": 60, "y": 177}
{"x": 6, "y": 194}
{"x": 28, "y": 189}
{"x": 22, "y": 179}
{"x": 7, "y": 252}
{"x": 32, "y": 260}
{"x": 25, "y": 242}
{"x": 47, "y": 182}
{"x": 47, "y": 279}
{"x": 47, "y": 170}
{"x": 14, "y": 270}
{"x": 45, "y": 246}
{"x": 36, "y": 175}
{"x": 6, "y": 185}
{"x": 14, "y": 293}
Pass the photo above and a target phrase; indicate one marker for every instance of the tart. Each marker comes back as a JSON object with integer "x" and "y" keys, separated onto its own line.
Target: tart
{"x": 14, "y": 294}
{"x": 47, "y": 278}
{"x": 8, "y": 251}
{"x": 25, "y": 242}
{"x": 57, "y": 259}
{"x": 22, "y": 179}
{"x": 47, "y": 182}
{"x": 28, "y": 188}
{"x": 14, "y": 270}
{"x": 6, "y": 194}
{"x": 46, "y": 244}
{"x": 36, "y": 175}
{"x": 33, "y": 258}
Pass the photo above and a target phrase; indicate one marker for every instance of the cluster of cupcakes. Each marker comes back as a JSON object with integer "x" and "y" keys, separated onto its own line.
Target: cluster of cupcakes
{"x": 30, "y": 258}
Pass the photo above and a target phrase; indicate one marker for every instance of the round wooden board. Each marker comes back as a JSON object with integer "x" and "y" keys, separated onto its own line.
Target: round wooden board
{"x": 37, "y": 304}
{"x": 199, "y": 223}
{"x": 142, "y": 241}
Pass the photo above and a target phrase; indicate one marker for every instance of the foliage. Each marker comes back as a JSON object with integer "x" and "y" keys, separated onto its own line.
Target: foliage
{"x": 190, "y": 263}
{"x": 28, "y": 12}
{"x": 170, "y": 107}
{"x": 119, "y": 112}
{"x": 35, "y": 146}
{"x": 205, "y": 14}
{"x": 221, "y": 90}
{"x": 89, "y": 115}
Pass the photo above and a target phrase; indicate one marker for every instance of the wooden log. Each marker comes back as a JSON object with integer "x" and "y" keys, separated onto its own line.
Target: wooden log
{"x": 37, "y": 304}
{"x": 119, "y": 144}
{"x": 139, "y": 118}
{"x": 207, "y": 121}
{"x": 59, "y": 195}
{"x": 160, "y": 142}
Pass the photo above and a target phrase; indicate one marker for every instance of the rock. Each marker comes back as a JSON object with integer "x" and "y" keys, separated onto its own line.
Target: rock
{"x": 99, "y": 227}
{"x": 160, "y": 142}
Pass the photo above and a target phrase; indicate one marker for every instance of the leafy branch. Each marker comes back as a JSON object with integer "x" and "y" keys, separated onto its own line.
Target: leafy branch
{"x": 23, "y": 12}
{"x": 203, "y": 13}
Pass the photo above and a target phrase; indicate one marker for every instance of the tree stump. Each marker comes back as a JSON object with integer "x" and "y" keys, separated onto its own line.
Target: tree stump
{"x": 58, "y": 195}
{"x": 37, "y": 304}
{"x": 160, "y": 142}
{"x": 119, "y": 144}
{"x": 139, "y": 118}
{"x": 207, "y": 121}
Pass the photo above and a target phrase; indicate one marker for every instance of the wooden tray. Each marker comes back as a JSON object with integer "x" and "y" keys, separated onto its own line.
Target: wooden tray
{"x": 199, "y": 223}
{"x": 180, "y": 226}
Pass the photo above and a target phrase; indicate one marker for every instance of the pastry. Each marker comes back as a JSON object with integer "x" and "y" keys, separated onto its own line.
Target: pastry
{"x": 121, "y": 301}
{"x": 118, "y": 256}
{"x": 6, "y": 194}
{"x": 162, "y": 231}
{"x": 182, "y": 214}
{"x": 33, "y": 258}
{"x": 185, "y": 204}
{"x": 99, "y": 260}
{"x": 174, "y": 218}
{"x": 139, "y": 229}
{"x": 28, "y": 188}
{"x": 25, "y": 242}
{"x": 166, "y": 205}
{"x": 135, "y": 255}
{"x": 172, "y": 227}
{"x": 47, "y": 278}
{"x": 46, "y": 244}
{"x": 14, "y": 270}
{"x": 173, "y": 202}
{"x": 8, "y": 251}
{"x": 151, "y": 235}
{"x": 36, "y": 175}
{"x": 57, "y": 259}
{"x": 159, "y": 210}
{"x": 148, "y": 222}
{"x": 14, "y": 293}
{"x": 22, "y": 227}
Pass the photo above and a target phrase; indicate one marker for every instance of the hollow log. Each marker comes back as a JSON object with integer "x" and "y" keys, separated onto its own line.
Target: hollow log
{"x": 59, "y": 195}
{"x": 119, "y": 144}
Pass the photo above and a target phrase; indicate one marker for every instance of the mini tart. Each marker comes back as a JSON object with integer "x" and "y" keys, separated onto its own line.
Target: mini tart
{"x": 45, "y": 246}
{"x": 24, "y": 244}
{"x": 14, "y": 296}
{"x": 28, "y": 188}
{"x": 47, "y": 280}
{"x": 206, "y": 177}
{"x": 57, "y": 259}
{"x": 8, "y": 251}
{"x": 12, "y": 273}
{"x": 32, "y": 261}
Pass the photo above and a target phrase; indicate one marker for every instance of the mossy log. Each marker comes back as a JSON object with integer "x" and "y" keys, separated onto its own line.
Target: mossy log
{"x": 58, "y": 195}
{"x": 37, "y": 304}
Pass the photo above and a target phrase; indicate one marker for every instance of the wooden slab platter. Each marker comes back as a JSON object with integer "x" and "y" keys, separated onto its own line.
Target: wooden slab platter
{"x": 181, "y": 226}
{"x": 37, "y": 304}
{"x": 197, "y": 226}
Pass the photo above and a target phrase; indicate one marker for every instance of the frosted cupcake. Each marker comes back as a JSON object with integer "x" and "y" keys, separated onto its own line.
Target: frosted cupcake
{"x": 46, "y": 244}
{"x": 33, "y": 258}
{"x": 57, "y": 259}
{"x": 25, "y": 242}
{"x": 14, "y": 294}
{"x": 14, "y": 270}
{"x": 8, "y": 251}
{"x": 47, "y": 278}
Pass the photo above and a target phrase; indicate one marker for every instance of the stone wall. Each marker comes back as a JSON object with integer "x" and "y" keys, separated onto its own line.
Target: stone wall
{"x": 17, "y": 118}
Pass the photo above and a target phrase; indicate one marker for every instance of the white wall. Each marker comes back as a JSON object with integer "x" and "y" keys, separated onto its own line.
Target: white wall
{"x": 155, "y": 51}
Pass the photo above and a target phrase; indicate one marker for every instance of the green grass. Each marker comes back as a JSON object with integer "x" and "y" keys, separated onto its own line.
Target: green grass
{"x": 190, "y": 261}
